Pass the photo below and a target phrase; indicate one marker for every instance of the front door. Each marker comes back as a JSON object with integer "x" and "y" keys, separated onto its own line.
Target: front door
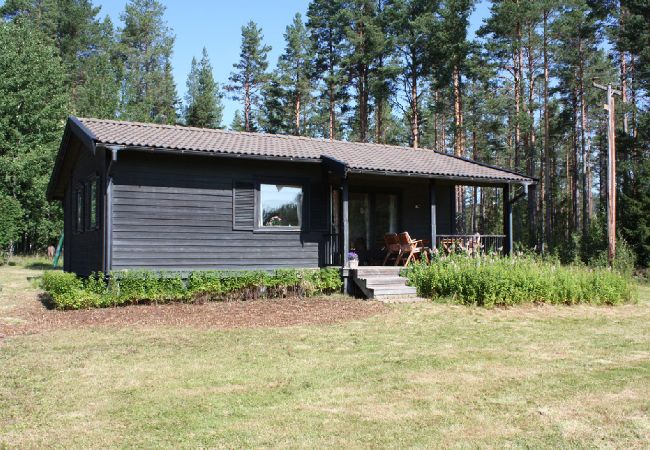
{"x": 372, "y": 215}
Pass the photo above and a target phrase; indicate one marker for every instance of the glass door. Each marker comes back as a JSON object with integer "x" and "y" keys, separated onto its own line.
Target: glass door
{"x": 385, "y": 218}
{"x": 359, "y": 212}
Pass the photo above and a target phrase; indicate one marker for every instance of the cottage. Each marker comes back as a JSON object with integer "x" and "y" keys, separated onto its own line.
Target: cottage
{"x": 176, "y": 198}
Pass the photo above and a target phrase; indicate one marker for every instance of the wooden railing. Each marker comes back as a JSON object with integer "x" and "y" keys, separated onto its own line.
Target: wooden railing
{"x": 470, "y": 243}
{"x": 333, "y": 255}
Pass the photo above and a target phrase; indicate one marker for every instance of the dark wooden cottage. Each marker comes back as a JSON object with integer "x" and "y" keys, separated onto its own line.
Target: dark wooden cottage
{"x": 147, "y": 196}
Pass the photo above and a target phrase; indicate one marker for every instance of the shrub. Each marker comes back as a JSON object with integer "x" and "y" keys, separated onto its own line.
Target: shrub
{"x": 492, "y": 281}
{"x": 120, "y": 288}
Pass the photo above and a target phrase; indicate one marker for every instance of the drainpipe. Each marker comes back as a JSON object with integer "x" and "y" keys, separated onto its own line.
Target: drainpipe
{"x": 108, "y": 211}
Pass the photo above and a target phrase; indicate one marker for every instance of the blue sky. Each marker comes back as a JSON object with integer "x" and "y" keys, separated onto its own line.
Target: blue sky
{"x": 217, "y": 25}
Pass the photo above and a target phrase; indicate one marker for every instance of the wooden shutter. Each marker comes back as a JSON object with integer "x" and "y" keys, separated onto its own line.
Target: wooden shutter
{"x": 243, "y": 215}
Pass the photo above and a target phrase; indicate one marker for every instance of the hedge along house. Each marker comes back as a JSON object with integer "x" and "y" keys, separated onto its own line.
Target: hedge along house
{"x": 147, "y": 196}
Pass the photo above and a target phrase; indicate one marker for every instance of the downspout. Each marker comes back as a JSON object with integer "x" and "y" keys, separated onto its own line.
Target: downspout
{"x": 108, "y": 212}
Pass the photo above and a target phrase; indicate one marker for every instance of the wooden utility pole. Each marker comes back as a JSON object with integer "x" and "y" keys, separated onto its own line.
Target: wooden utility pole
{"x": 611, "y": 170}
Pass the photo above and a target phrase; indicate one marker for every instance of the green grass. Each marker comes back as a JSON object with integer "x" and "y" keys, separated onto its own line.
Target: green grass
{"x": 421, "y": 375}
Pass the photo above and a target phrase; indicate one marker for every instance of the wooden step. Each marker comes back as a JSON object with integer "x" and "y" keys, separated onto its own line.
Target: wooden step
{"x": 363, "y": 272}
{"x": 383, "y": 283}
{"x": 394, "y": 290}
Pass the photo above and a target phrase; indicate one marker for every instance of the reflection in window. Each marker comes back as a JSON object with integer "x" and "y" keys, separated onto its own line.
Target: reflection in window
{"x": 79, "y": 209}
{"x": 280, "y": 205}
{"x": 92, "y": 188}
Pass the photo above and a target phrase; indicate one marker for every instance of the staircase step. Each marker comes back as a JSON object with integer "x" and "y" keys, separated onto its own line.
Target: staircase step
{"x": 384, "y": 281}
{"x": 363, "y": 272}
{"x": 391, "y": 290}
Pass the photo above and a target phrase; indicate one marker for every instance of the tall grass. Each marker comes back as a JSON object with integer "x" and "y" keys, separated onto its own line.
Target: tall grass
{"x": 494, "y": 281}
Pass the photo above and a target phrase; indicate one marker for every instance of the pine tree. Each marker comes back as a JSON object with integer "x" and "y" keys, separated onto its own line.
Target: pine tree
{"x": 294, "y": 74}
{"x": 145, "y": 45}
{"x": 365, "y": 42}
{"x": 250, "y": 72}
{"x": 237, "y": 123}
{"x": 86, "y": 46}
{"x": 382, "y": 84}
{"x": 203, "y": 106}
{"x": 35, "y": 101}
{"x": 413, "y": 28}
{"x": 634, "y": 148}
{"x": 327, "y": 36}
{"x": 276, "y": 108}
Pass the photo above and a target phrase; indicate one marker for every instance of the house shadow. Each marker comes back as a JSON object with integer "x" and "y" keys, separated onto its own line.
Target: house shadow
{"x": 41, "y": 266}
{"x": 46, "y": 300}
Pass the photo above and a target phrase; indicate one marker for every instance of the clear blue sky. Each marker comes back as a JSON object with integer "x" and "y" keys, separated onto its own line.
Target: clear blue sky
{"x": 216, "y": 24}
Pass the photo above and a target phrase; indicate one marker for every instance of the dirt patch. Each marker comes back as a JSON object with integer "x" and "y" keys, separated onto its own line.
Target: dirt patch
{"x": 219, "y": 315}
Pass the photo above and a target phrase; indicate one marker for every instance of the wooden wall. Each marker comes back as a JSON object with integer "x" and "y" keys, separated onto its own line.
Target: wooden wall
{"x": 84, "y": 252}
{"x": 176, "y": 213}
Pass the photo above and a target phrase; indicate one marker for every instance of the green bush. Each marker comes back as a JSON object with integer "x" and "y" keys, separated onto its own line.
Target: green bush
{"x": 492, "y": 281}
{"x": 121, "y": 288}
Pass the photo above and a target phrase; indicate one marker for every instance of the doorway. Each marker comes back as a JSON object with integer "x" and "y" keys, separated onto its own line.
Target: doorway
{"x": 371, "y": 216}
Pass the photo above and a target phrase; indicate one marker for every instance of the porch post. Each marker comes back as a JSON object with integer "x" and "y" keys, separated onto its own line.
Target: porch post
{"x": 507, "y": 221}
{"x": 432, "y": 203}
{"x": 346, "y": 226}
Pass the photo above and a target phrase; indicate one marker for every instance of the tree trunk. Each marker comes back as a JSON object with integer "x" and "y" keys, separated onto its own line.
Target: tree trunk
{"x": 633, "y": 96}
{"x": 247, "y": 107}
{"x": 532, "y": 155}
{"x": 330, "y": 86}
{"x": 624, "y": 91}
{"x": 379, "y": 121}
{"x": 297, "y": 112}
{"x": 459, "y": 144}
{"x": 474, "y": 226}
{"x": 545, "y": 188}
{"x": 585, "y": 146}
{"x": 415, "y": 125}
{"x": 575, "y": 223}
{"x": 363, "y": 103}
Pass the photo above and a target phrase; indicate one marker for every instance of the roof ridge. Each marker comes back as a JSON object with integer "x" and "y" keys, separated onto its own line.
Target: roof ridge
{"x": 254, "y": 133}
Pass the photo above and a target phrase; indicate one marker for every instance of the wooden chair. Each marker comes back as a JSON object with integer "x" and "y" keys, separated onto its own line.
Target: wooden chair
{"x": 392, "y": 246}
{"x": 410, "y": 247}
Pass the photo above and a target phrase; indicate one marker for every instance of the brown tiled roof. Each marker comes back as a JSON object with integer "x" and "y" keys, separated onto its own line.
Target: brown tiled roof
{"x": 360, "y": 157}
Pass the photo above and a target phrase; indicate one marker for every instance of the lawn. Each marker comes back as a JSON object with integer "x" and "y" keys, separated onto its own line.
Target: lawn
{"x": 407, "y": 375}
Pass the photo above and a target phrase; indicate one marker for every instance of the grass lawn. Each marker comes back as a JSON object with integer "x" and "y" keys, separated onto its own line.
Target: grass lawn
{"x": 413, "y": 375}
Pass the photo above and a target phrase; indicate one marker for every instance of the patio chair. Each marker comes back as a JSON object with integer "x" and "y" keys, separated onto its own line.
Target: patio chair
{"x": 392, "y": 246}
{"x": 411, "y": 248}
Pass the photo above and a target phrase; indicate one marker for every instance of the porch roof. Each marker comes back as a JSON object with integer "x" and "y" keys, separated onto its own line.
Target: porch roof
{"x": 351, "y": 156}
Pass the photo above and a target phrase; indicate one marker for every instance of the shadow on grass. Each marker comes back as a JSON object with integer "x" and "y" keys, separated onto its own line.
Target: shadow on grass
{"x": 46, "y": 300}
{"x": 41, "y": 266}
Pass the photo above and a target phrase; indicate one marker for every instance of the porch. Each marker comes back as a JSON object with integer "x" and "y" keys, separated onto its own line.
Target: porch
{"x": 362, "y": 208}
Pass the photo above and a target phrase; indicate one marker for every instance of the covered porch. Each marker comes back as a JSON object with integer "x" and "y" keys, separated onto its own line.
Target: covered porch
{"x": 364, "y": 206}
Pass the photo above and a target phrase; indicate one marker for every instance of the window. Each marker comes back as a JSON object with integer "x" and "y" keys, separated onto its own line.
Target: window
{"x": 93, "y": 204}
{"x": 79, "y": 209}
{"x": 280, "y": 205}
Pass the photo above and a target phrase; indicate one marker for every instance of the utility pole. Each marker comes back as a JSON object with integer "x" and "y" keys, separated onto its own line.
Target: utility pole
{"x": 611, "y": 169}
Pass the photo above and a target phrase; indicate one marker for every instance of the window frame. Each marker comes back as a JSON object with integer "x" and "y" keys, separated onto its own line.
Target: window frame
{"x": 292, "y": 182}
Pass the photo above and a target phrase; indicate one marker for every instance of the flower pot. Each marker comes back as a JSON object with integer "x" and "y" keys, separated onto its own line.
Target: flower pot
{"x": 353, "y": 263}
